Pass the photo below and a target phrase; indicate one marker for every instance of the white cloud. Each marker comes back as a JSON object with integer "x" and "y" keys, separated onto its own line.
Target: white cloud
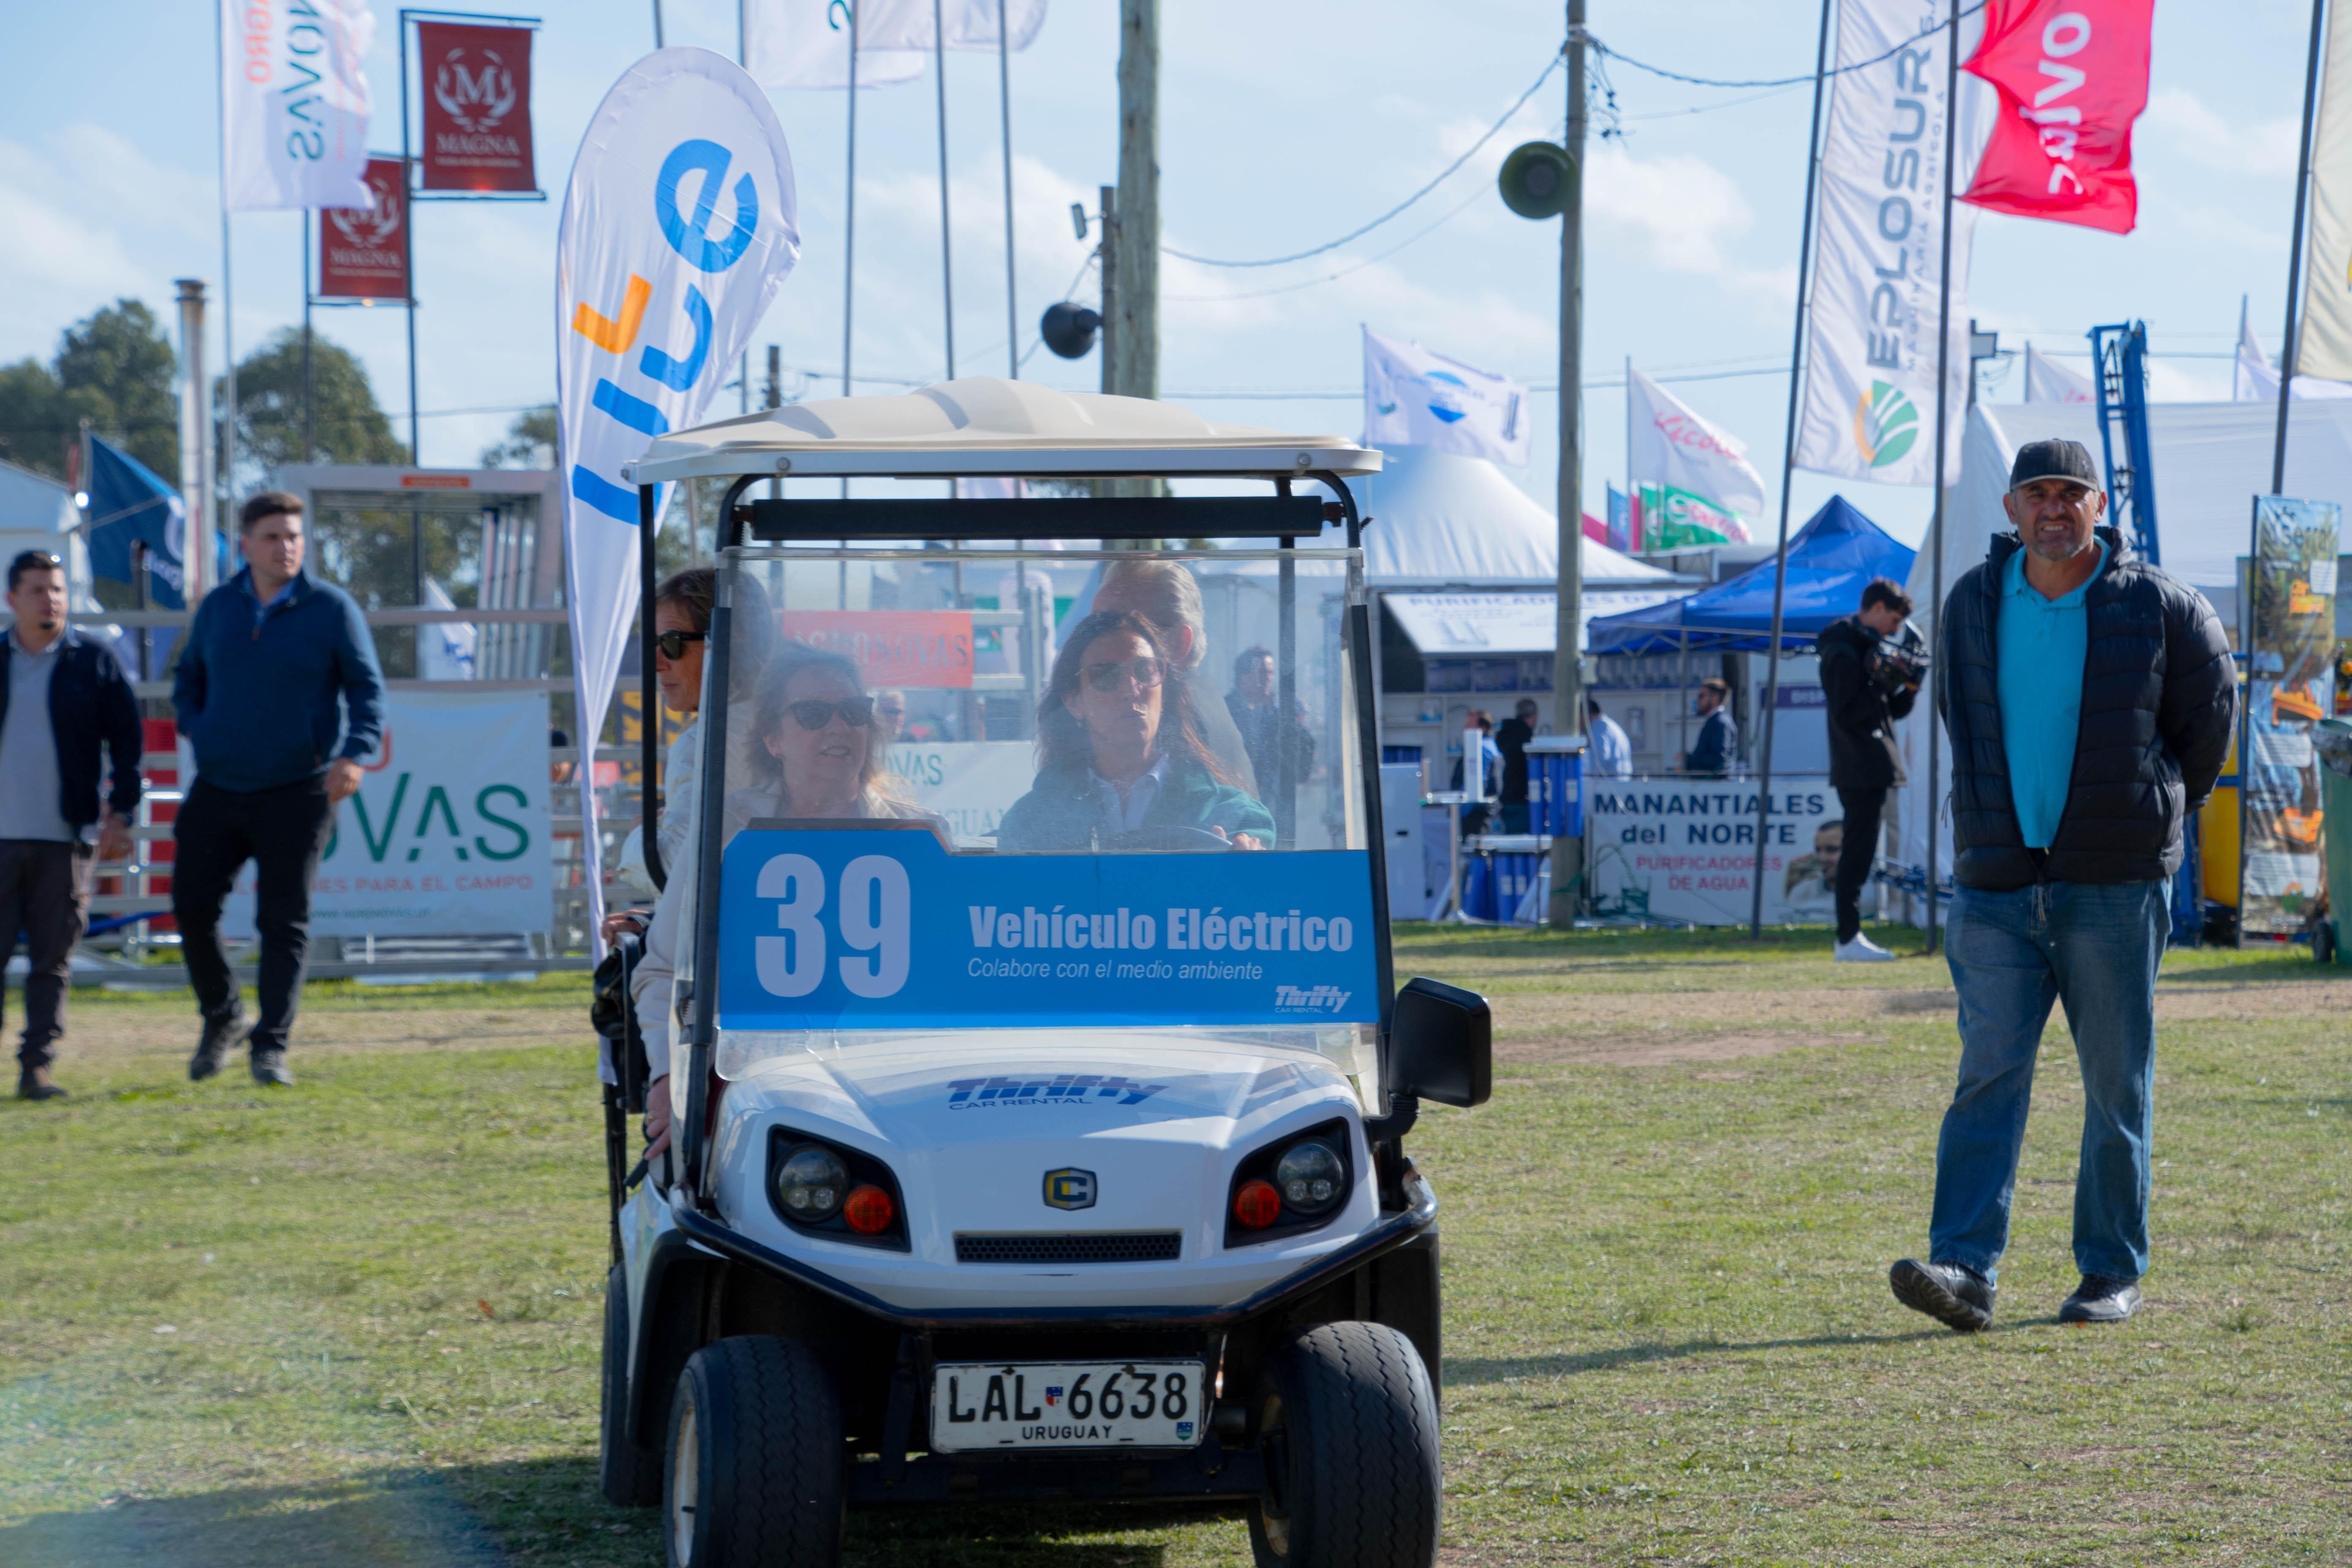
{"x": 2182, "y": 119}
{"x": 1681, "y": 213}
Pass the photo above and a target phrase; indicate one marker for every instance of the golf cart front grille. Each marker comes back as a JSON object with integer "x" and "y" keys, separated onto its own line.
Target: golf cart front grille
{"x": 1104, "y": 1246}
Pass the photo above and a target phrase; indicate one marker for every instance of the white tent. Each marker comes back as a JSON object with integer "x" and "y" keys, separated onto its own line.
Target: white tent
{"x": 1442, "y": 520}
{"x": 2210, "y": 460}
{"x": 38, "y": 513}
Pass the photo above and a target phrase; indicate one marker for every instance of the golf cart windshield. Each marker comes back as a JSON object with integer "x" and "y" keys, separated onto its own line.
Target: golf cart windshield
{"x": 1043, "y": 789}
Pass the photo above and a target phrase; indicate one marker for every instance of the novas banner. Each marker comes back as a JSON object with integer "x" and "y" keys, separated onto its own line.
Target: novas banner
{"x": 2071, "y": 76}
{"x": 1416, "y": 398}
{"x": 449, "y": 833}
{"x": 678, "y": 227}
{"x": 1869, "y": 376}
{"x": 475, "y": 83}
{"x": 294, "y": 102}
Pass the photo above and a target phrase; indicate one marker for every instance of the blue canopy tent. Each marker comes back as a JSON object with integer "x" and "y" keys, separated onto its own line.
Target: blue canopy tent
{"x": 1830, "y": 561}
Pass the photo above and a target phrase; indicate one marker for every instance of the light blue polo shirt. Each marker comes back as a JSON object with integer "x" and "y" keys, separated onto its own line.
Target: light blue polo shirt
{"x": 2042, "y": 644}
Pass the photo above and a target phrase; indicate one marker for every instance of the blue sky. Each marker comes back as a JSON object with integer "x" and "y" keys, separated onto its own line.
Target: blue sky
{"x": 1282, "y": 126}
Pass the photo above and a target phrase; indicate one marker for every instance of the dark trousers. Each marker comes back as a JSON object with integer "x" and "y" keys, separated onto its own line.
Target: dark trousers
{"x": 283, "y": 831}
{"x": 45, "y": 894}
{"x": 1856, "y": 855}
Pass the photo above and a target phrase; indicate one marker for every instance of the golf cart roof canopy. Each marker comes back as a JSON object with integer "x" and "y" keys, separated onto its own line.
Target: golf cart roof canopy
{"x": 984, "y": 425}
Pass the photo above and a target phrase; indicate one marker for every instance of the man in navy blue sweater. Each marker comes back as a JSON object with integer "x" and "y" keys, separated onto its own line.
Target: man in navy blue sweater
{"x": 277, "y": 669}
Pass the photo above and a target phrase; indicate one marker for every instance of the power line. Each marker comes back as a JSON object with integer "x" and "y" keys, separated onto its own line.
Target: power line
{"x": 1930, "y": 30}
{"x": 1448, "y": 174}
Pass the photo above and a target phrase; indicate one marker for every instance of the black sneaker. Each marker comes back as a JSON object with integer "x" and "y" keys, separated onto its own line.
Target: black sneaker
{"x": 269, "y": 1069}
{"x": 1956, "y": 1297}
{"x": 212, "y": 1049}
{"x": 2099, "y": 1299}
{"x": 34, "y": 1083}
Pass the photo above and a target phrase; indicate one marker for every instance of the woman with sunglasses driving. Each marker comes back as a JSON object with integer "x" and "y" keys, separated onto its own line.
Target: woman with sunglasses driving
{"x": 1121, "y": 760}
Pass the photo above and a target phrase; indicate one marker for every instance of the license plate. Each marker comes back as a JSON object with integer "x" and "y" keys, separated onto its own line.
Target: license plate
{"x": 1068, "y": 1404}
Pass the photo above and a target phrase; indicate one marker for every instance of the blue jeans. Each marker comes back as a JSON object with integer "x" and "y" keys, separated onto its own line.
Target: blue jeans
{"x": 2095, "y": 948}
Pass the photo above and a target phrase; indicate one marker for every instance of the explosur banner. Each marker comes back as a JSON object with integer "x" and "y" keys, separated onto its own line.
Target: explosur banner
{"x": 449, "y": 834}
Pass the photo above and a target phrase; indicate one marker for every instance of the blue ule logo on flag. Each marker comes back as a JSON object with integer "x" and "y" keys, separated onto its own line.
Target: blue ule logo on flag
{"x": 1416, "y": 398}
{"x": 878, "y": 929}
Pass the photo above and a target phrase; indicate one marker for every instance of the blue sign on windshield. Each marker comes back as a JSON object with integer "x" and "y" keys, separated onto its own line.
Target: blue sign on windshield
{"x": 876, "y": 929}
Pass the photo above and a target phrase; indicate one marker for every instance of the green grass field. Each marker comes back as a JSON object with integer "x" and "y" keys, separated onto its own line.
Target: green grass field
{"x": 357, "y": 1323}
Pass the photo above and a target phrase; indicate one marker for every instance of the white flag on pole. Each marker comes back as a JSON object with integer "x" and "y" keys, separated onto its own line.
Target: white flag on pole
{"x": 2324, "y": 348}
{"x": 2047, "y": 381}
{"x": 1415, "y": 398}
{"x": 2255, "y": 380}
{"x": 967, "y": 24}
{"x": 1870, "y": 375}
{"x": 679, "y": 223}
{"x": 805, "y": 43}
{"x": 1669, "y": 444}
{"x": 294, "y": 104}
{"x": 443, "y": 652}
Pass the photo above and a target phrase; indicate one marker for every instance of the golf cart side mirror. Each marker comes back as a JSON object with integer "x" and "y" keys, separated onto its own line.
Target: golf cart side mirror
{"x": 1441, "y": 1044}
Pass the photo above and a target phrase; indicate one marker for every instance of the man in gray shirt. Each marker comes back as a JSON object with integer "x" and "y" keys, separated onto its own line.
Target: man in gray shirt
{"x": 63, "y": 699}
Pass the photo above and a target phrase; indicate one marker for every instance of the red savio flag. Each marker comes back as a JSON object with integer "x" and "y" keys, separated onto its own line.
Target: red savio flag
{"x": 476, "y": 86}
{"x": 364, "y": 251}
{"x": 2072, "y": 75}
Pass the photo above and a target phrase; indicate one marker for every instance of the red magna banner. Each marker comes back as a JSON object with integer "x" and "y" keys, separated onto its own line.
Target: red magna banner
{"x": 475, "y": 83}
{"x": 2072, "y": 75}
{"x": 892, "y": 647}
{"x": 363, "y": 252}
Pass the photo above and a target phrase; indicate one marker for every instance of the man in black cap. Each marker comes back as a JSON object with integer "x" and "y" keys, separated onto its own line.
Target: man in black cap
{"x": 2089, "y": 699}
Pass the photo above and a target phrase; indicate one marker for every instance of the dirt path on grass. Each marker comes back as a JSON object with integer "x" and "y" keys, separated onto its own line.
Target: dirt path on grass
{"x": 151, "y": 1034}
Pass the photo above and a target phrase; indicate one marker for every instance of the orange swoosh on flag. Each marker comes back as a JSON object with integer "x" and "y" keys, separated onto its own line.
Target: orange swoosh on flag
{"x": 614, "y": 336}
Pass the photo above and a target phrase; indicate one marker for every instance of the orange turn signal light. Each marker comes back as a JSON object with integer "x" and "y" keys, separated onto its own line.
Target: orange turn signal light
{"x": 1255, "y": 1205}
{"x": 868, "y": 1210}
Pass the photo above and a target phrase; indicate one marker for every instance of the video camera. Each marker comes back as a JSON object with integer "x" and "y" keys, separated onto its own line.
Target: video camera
{"x": 1899, "y": 663}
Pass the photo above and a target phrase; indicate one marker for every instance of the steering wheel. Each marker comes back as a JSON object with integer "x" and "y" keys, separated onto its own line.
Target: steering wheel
{"x": 1170, "y": 840}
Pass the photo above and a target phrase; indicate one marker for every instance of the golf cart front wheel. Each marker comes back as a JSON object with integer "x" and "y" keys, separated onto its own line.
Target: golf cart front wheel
{"x": 1347, "y": 1423}
{"x": 753, "y": 1476}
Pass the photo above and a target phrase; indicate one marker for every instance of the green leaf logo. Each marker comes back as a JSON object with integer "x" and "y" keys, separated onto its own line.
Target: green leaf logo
{"x": 1885, "y": 423}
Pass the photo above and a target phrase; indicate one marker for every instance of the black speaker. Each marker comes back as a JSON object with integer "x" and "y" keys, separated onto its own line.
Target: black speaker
{"x": 1538, "y": 180}
{"x": 1069, "y": 330}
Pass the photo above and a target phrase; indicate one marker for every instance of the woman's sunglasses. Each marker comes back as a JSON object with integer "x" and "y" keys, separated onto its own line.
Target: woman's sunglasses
{"x": 672, "y": 644}
{"x": 1110, "y": 676}
{"x": 856, "y": 711}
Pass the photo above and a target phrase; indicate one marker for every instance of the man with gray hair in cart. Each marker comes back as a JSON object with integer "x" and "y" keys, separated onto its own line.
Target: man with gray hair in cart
{"x": 2090, "y": 699}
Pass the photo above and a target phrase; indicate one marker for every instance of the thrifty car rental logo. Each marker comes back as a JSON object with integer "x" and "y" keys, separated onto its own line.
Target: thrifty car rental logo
{"x": 980, "y": 1093}
{"x": 1309, "y": 998}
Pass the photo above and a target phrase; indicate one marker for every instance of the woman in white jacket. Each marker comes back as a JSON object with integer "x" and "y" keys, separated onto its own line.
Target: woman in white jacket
{"x": 816, "y": 752}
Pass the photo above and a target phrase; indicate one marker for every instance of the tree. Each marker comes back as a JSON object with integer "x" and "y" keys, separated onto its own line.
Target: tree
{"x": 346, "y": 424}
{"x": 117, "y": 366}
{"x": 529, "y": 443}
{"x": 114, "y": 368}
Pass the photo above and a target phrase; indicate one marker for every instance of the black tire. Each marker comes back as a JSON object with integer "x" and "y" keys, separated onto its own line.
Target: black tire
{"x": 630, "y": 1471}
{"x": 753, "y": 1476}
{"x": 1349, "y": 1426}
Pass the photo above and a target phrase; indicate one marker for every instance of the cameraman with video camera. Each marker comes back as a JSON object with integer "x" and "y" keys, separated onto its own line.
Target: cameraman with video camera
{"x": 1872, "y": 665}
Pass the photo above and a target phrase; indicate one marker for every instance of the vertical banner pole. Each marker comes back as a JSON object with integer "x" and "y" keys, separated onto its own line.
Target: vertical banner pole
{"x": 310, "y": 413}
{"x": 947, "y": 246}
{"x": 1004, "y": 115}
{"x": 1943, "y": 392}
{"x": 849, "y": 221}
{"x": 2294, "y": 287}
{"x": 409, "y": 234}
{"x": 203, "y": 506}
{"x": 1788, "y": 470}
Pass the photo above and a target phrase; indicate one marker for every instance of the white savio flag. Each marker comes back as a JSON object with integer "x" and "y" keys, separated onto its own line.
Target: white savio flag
{"x": 1669, "y": 444}
{"x": 1869, "y": 376}
{"x": 2047, "y": 381}
{"x": 805, "y": 43}
{"x": 294, "y": 103}
{"x": 2325, "y": 342}
{"x": 2254, "y": 380}
{"x": 679, "y": 223}
{"x": 1415, "y": 398}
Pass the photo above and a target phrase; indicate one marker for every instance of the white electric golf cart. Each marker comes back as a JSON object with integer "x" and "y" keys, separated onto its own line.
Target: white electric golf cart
{"x": 1041, "y": 1079}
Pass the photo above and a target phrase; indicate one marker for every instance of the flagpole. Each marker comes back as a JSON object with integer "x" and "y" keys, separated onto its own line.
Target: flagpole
{"x": 1005, "y": 108}
{"x": 408, "y": 235}
{"x": 1788, "y": 470}
{"x": 849, "y": 224}
{"x": 2295, "y": 251}
{"x": 200, "y": 520}
{"x": 1943, "y": 392}
{"x": 947, "y": 257}
{"x": 1632, "y": 491}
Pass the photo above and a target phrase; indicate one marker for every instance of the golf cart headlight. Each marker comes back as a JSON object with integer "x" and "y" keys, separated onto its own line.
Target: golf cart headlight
{"x": 1310, "y": 1178}
{"x": 811, "y": 1183}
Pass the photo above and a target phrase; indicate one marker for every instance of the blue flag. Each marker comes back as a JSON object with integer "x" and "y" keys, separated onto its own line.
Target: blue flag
{"x": 129, "y": 505}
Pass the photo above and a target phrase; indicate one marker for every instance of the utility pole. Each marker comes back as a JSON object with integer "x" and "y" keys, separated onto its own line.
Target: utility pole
{"x": 1108, "y": 268}
{"x": 1135, "y": 259}
{"x": 1567, "y": 665}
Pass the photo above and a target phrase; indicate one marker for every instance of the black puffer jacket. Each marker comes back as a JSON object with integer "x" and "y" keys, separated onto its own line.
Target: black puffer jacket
{"x": 2159, "y": 702}
{"x": 1862, "y": 716}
